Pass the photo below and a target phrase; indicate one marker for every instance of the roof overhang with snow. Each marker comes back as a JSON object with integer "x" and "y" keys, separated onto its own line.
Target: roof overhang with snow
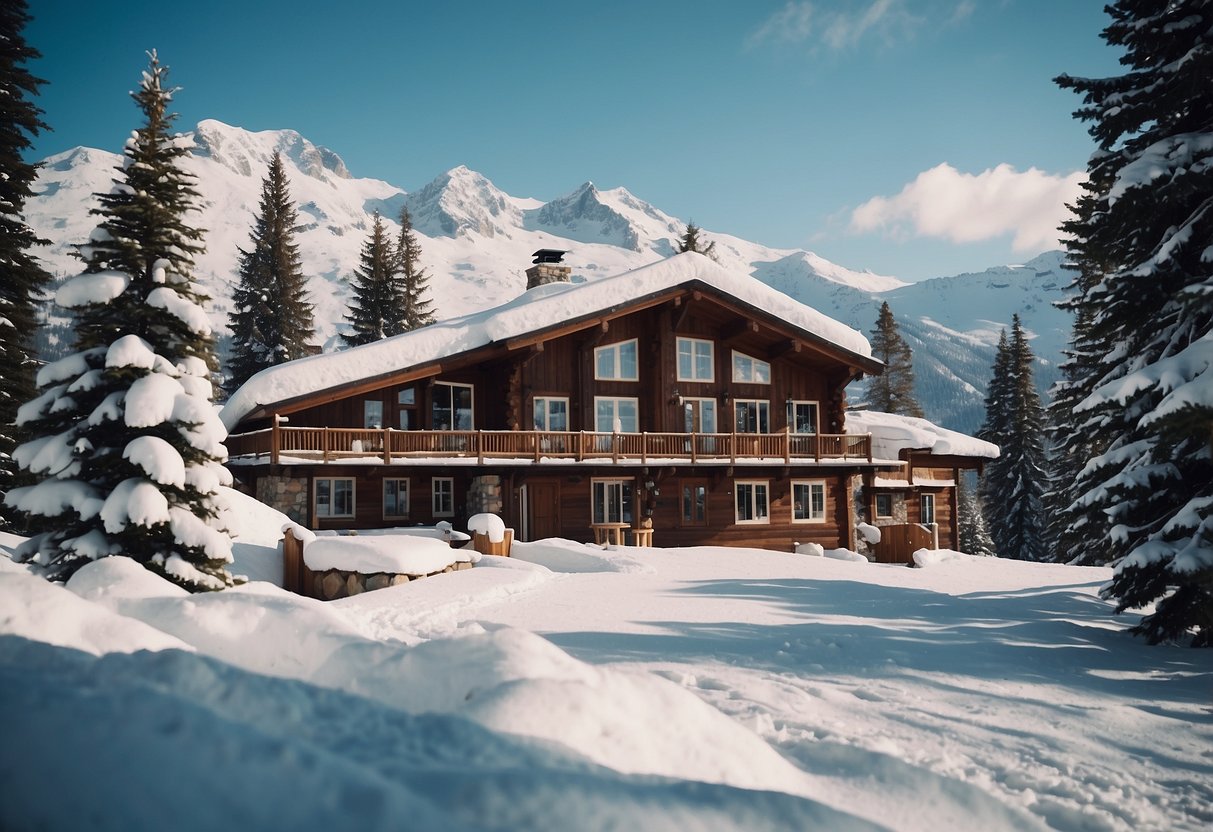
{"x": 910, "y": 438}
{"x": 538, "y": 315}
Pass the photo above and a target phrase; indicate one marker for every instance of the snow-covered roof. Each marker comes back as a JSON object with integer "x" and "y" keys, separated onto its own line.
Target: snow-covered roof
{"x": 534, "y": 311}
{"x": 891, "y": 434}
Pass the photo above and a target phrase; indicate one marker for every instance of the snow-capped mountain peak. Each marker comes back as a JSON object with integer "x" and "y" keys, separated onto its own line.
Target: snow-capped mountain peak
{"x": 248, "y": 153}
{"x": 462, "y": 201}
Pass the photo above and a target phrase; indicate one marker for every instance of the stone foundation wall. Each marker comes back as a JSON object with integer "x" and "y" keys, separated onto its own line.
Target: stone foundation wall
{"x": 287, "y": 494}
{"x": 335, "y": 583}
{"x": 484, "y": 495}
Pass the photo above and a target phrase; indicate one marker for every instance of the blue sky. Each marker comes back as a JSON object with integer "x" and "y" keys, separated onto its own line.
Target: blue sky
{"x": 893, "y": 135}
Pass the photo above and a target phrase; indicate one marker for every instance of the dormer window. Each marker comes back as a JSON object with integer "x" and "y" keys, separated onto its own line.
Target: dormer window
{"x": 616, "y": 362}
{"x": 750, "y": 370}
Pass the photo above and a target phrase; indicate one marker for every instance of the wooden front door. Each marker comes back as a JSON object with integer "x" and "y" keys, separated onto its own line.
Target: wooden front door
{"x": 544, "y": 507}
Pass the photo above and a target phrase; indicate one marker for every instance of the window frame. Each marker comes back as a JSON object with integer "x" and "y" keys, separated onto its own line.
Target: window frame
{"x": 617, "y": 348}
{"x": 888, "y": 495}
{"x": 693, "y": 343}
{"x": 764, "y": 406}
{"x": 922, "y": 504}
{"x": 683, "y": 486}
{"x": 698, "y": 402}
{"x": 795, "y": 403}
{"x": 353, "y": 481}
{"x": 435, "y": 491}
{"x": 407, "y": 408}
{"x": 451, "y": 385}
{"x": 547, "y": 413}
{"x": 408, "y": 489}
{"x": 812, "y": 516}
{"x": 367, "y": 406}
{"x": 753, "y": 485}
{"x": 616, "y": 399}
{"x": 753, "y": 363}
{"x": 626, "y": 502}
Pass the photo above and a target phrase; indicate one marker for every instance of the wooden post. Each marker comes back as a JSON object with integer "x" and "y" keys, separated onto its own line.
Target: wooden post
{"x": 869, "y": 447}
{"x": 478, "y": 438}
{"x": 644, "y": 448}
{"x": 581, "y": 446}
{"x": 324, "y": 443}
{"x": 787, "y": 443}
{"x": 275, "y": 441}
{"x": 387, "y": 446}
{"x": 615, "y": 447}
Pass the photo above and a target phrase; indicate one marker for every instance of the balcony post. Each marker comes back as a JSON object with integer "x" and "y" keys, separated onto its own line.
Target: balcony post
{"x": 615, "y": 447}
{"x": 644, "y": 448}
{"x": 478, "y": 438}
{"x": 869, "y": 447}
{"x": 324, "y": 443}
{"x": 275, "y": 441}
{"x": 387, "y": 446}
{"x": 787, "y": 443}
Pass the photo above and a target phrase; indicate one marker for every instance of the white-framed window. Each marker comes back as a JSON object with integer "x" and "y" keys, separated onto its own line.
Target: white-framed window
{"x": 334, "y": 496}
{"x": 694, "y": 502}
{"x": 808, "y": 501}
{"x": 751, "y": 500}
{"x": 699, "y": 415}
{"x": 395, "y": 497}
{"x": 752, "y": 415}
{"x": 611, "y": 501}
{"x": 406, "y": 409}
{"x": 696, "y": 360}
{"x": 926, "y": 504}
{"x": 616, "y": 415}
{"x": 617, "y": 362}
{"x": 802, "y": 417}
{"x": 884, "y": 504}
{"x": 749, "y": 369}
{"x": 551, "y": 413}
{"x": 442, "y": 496}
{"x": 452, "y": 406}
{"x": 372, "y": 413}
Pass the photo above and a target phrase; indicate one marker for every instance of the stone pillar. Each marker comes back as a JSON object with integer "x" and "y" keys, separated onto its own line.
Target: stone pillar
{"x": 287, "y": 494}
{"x": 484, "y": 495}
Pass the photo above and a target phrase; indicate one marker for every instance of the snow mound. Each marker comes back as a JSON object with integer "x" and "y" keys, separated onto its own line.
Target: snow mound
{"x": 398, "y": 554}
{"x": 815, "y": 549}
{"x": 932, "y": 557}
{"x": 560, "y": 555}
{"x": 891, "y": 434}
{"x": 869, "y": 533}
{"x": 489, "y": 525}
{"x": 844, "y": 554}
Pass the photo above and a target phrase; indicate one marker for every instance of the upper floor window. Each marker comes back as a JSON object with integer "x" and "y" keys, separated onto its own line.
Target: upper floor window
{"x": 452, "y": 406}
{"x": 749, "y": 369}
{"x": 802, "y": 417}
{"x": 616, "y": 362}
{"x": 406, "y": 404}
{"x": 372, "y": 413}
{"x": 695, "y": 360}
{"x": 752, "y": 415}
{"x": 551, "y": 413}
{"x": 616, "y": 415}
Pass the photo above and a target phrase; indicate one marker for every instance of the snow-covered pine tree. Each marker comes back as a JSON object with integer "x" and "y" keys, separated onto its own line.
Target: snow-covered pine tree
{"x": 413, "y": 284}
{"x": 974, "y": 536}
{"x": 690, "y": 242}
{"x": 893, "y": 390}
{"x": 375, "y": 311}
{"x": 1013, "y": 483}
{"x": 128, "y": 449}
{"x": 1151, "y": 314}
{"x": 22, "y": 280}
{"x": 272, "y": 319}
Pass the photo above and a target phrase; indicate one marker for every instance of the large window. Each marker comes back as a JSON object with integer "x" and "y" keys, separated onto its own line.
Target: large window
{"x": 802, "y": 417}
{"x": 700, "y": 415}
{"x": 808, "y": 501}
{"x": 926, "y": 503}
{"x": 616, "y": 362}
{"x": 406, "y": 403}
{"x": 751, "y": 501}
{"x": 752, "y": 415}
{"x": 695, "y": 360}
{"x": 749, "y": 369}
{"x": 334, "y": 496}
{"x": 395, "y": 498}
{"x": 452, "y": 407}
{"x": 551, "y": 413}
{"x": 612, "y": 415}
{"x": 372, "y": 413}
{"x": 611, "y": 501}
{"x": 694, "y": 502}
{"x": 442, "y": 496}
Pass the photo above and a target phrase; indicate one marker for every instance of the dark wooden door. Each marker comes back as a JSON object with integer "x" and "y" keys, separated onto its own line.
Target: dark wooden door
{"x": 544, "y": 500}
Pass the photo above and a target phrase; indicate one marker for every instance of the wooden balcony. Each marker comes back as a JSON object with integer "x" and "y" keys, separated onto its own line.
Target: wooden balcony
{"x": 402, "y": 446}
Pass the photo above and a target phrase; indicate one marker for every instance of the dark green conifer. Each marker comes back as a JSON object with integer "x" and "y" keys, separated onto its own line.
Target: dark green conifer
{"x": 893, "y": 390}
{"x": 413, "y": 283}
{"x": 374, "y": 312}
{"x": 691, "y": 242}
{"x": 272, "y": 319}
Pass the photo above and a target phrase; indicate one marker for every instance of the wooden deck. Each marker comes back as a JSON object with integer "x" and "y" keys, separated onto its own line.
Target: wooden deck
{"x": 403, "y": 446}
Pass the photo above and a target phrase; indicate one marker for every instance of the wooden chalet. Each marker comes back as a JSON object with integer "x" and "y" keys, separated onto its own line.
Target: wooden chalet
{"x": 678, "y": 397}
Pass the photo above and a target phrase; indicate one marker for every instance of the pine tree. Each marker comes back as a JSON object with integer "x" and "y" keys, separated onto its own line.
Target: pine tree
{"x": 128, "y": 449}
{"x": 690, "y": 242}
{"x": 22, "y": 280}
{"x": 974, "y": 536}
{"x": 1014, "y": 483}
{"x": 1150, "y": 483}
{"x": 893, "y": 390}
{"x": 375, "y": 310}
{"x": 272, "y": 320}
{"x": 412, "y": 281}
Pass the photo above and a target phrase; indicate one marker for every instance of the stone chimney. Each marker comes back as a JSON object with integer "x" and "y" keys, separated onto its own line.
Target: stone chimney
{"x": 547, "y": 268}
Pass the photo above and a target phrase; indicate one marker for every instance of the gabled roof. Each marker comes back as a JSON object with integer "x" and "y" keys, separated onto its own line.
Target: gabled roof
{"x": 891, "y": 434}
{"x": 547, "y": 307}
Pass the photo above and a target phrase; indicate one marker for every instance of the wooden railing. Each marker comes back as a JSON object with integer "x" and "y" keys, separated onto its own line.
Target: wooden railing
{"x": 334, "y": 444}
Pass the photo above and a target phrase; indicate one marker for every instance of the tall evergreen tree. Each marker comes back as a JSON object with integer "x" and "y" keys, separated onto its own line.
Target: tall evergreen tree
{"x": 690, "y": 241}
{"x": 1150, "y": 483}
{"x": 128, "y": 448}
{"x": 1014, "y": 483}
{"x": 22, "y": 280}
{"x": 974, "y": 536}
{"x": 375, "y": 309}
{"x": 893, "y": 390}
{"x": 272, "y": 321}
{"x": 412, "y": 282}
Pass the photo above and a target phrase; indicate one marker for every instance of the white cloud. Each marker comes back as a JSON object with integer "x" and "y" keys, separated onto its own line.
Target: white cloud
{"x": 844, "y": 23}
{"x": 965, "y": 207}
